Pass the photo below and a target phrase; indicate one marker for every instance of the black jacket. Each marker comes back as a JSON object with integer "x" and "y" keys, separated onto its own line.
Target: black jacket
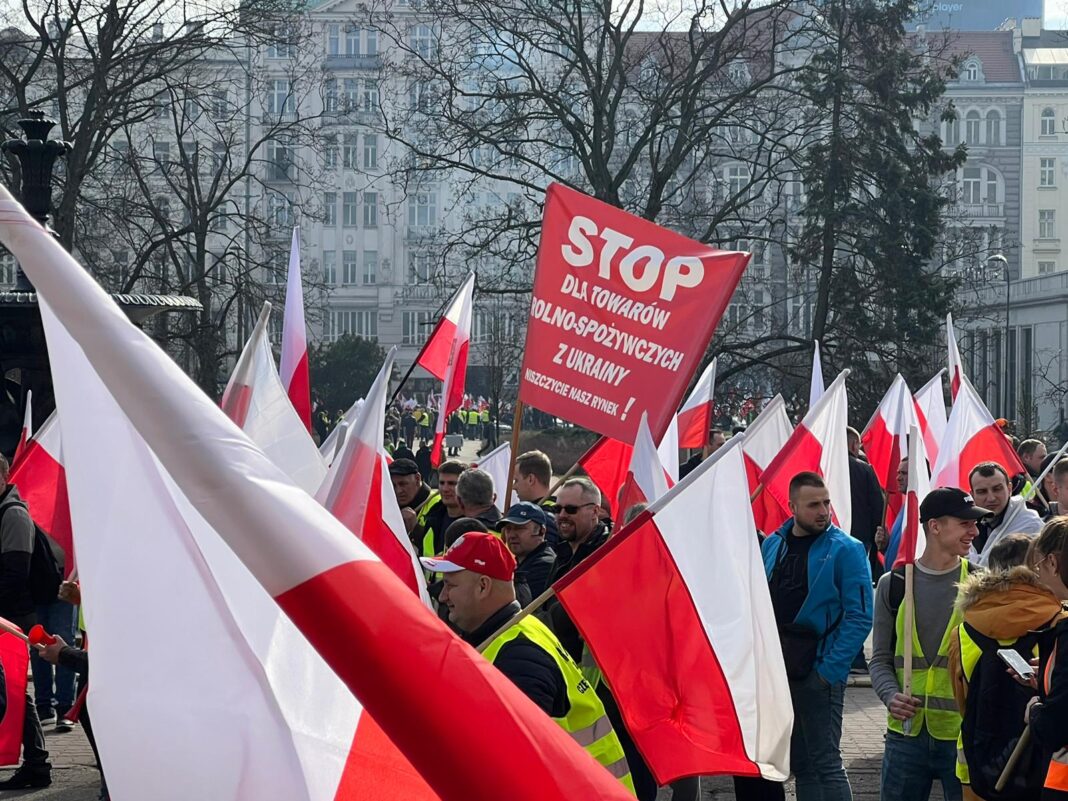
{"x": 1049, "y": 718}
{"x": 527, "y": 665}
{"x": 554, "y": 615}
{"x": 535, "y": 570}
{"x": 17, "y": 533}
{"x": 866, "y": 501}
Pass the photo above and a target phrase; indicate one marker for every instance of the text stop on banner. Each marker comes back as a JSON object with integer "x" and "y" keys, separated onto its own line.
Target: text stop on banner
{"x": 621, "y": 315}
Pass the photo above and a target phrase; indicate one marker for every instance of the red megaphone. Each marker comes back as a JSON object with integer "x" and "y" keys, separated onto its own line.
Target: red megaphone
{"x": 38, "y": 636}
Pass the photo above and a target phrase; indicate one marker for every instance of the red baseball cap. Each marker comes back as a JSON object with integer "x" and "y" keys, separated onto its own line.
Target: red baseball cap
{"x": 478, "y": 552}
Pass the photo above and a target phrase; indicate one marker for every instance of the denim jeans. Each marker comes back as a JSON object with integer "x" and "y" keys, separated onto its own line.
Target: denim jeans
{"x": 59, "y": 618}
{"x": 911, "y": 765}
{"x": 815, "y": 747}
{"x": 33, "y": 741}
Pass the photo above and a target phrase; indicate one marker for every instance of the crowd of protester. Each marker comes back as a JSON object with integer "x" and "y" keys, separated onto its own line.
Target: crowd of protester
{"x": 984, "y": 712}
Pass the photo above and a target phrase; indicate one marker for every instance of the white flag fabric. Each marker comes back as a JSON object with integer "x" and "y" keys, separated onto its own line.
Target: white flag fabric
{"x": 256, "y": 400}
{"x": 329, "y": 449}
{"x": 815, "y": 388}
{"x": 496, "y": 463}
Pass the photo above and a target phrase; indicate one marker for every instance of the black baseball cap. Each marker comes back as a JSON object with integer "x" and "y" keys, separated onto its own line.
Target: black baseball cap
{"x": 525, "y": 512}
{"x": 403, "y": 467}
{"x": 950, "y": 502}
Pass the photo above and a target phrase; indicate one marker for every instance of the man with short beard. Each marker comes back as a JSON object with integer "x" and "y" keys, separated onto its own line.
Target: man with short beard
{"x": 821, "y": 592}
{"x": 439, "y": 512}
{"x": 990, "y": 487}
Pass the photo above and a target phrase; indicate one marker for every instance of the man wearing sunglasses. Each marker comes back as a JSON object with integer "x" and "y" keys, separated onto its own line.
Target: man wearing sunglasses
{"x": 581, "y": 533}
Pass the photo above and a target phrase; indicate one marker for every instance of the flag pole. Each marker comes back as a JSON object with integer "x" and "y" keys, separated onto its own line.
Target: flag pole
{"x": 756, "y": 492}
{"x": 1038, "y": 481}
{"x": 559, "y": 482}
{"x": 400, "y": 386}
{"x": 909, "y": 622}
{"x": 527, "y": 610}
{"x": 1014, "y": 757}
{"x": 517, "y": 425}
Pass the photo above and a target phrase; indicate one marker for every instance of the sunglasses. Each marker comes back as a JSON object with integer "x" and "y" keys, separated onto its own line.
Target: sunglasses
{"x": 571, "y": 509}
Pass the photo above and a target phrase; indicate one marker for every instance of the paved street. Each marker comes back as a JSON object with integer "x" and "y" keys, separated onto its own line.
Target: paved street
{"x": 74, "y": 776}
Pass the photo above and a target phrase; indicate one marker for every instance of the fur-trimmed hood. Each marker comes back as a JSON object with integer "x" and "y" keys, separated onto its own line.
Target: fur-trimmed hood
{"x": 1008, "y": 604}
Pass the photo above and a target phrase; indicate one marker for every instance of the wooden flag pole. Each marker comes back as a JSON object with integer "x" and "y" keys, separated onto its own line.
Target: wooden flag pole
{"x": 517, "y": 425}
{"x": 756, "y": 492}
{"x": 910, "y": 616}
{"x": 1014, "y": 757}
{"x": 560, "y": 481}
{"x": 8, "y": 628}
{"x": 529, "y": 609}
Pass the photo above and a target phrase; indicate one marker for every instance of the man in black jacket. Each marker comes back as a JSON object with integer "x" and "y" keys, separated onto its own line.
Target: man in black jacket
{"x": 524, "y": 529}
{"x": 17, "y": 534}
{"x": 866, "y": 501}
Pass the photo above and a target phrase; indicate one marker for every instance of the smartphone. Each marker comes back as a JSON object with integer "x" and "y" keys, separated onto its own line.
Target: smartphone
{"x": 1016, "y": 662}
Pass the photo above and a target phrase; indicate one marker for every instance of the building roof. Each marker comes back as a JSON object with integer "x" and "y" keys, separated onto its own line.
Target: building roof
{"x": 992, "y": 48}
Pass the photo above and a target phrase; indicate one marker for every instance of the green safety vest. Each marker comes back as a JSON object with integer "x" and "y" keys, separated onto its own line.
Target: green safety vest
{"x": 427, "y": 545}
{"x": 586, "y": 720}
{"x": 484, "y": 415}
{"x": 930, "y": 680}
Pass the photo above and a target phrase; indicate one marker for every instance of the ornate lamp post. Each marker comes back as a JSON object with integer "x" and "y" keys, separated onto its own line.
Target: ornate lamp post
{"x": 22, "y": 343}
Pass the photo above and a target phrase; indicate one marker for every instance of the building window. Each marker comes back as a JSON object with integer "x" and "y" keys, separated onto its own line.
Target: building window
{"x": 370, "y": 209}
{"x": 973, "y": 186}
{"x": 370, "y": 267}
{"x": 423, "y": 210}
{"x": 370, "y": 42}
{"x": 971, "y": 71}
{"x": 279, "y": 161}
{"x": 330, "y": 209}
{"x": 280, "y": 98}
{"x": 415, "y": 327}
{"x": 1047, "y": 224}
{"x": 370, "y": 151}
{"x": 330, "y": 152}
{"x": 329, "y": 267}
{"x": 349, "y": 145}
{"x": 1049, "y": 123}
{"x": 351, "y": 97}
{"x": 1046, "y": 172}
{"x": 737, "y": 180}
{"x": 349, "y": 267}
{"x": 421, "y": 40}
{"x": 333, "y": 39}
{"x": 420, "y": 268}
{"x": 7, "y": 269}
{"x": 220, "y": 104}
{"x": 352, "y": 41}
{"x": 1047, "y": 267}
{"x": 370, "y": 94}
{"x": 161, "y": 153}
{"x": 952, "y": 128}
{"x": 348, "y": 209}
{"x": 993, "y": 128}
{"x": 279, "y": 210}
{"x": 353, "y": 323}
{"x": 330, "y": 100}
{"x": 972, "y": 127}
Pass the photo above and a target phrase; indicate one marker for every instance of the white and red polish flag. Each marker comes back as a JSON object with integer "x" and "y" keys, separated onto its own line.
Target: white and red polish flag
{"x": 27, "y": 429}
{"x": 358, "y": 491}
{"x": 293, "y": 362}
{"x": 329, "y": 449}
{"x": 42, "y": 483}
{"x": 480, "y": 738}
{"x": 931, "y": 414}
{"x": 257, "y": 402}
{"x": 818, "y": 444}
{"x": 695, "y": 417}
{"x": 885, "y": 437}
{"x": 971, "y": 437}
{"x": 815, "y": 387}
{"x": 763, "y": 440}
{"x": 706, "y": 694}
{"x": 606, "y": 463}
{"x": 647, "y": 480}
{"x": 913, "y": 540}
{"x": 956, "y": 366}
{"x": 668, "y": 450}
{"x": 496, "y": 463}
{"x": 444, "y": 356}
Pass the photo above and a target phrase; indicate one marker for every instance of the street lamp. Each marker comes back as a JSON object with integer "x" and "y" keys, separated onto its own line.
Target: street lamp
{"x": 998, "y": 261}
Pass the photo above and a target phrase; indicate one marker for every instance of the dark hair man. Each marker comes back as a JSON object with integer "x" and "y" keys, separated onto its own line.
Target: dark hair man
{"x": 820, "y": 587}
{"x": 1008, "y": 514}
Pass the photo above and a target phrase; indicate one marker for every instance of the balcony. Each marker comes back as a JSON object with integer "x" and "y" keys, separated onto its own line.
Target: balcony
{"x": 352, "y": 62}
{"x": 425, "y": 292}
{"x": 980, "y": 209}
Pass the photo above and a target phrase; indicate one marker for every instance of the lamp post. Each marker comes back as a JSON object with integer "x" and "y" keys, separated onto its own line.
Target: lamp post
{"x": 998, "y": 261}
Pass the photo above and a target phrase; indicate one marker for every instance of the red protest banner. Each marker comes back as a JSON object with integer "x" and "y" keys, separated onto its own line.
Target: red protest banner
{"x": 622, "y": 312}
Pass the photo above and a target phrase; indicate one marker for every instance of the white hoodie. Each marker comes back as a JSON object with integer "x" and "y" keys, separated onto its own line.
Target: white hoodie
{"x": 1019, "y": 519}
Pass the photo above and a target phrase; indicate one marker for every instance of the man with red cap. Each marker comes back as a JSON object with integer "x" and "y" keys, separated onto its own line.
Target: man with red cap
{"x": 477, "y": 573}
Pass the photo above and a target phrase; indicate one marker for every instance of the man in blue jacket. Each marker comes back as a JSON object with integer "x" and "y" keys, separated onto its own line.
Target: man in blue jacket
{"x": 820, "y": 583}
